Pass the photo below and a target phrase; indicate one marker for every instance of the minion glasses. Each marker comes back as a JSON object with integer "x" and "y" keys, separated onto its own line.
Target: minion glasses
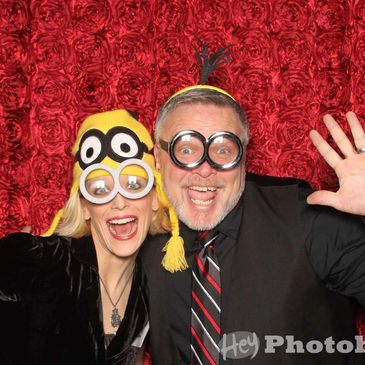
{"x": 100, "y": 183}
{"x": 188, "y": 149}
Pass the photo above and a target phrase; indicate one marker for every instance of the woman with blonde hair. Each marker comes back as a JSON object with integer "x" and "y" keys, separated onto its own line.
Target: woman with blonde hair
{"x": 79, "y": 287}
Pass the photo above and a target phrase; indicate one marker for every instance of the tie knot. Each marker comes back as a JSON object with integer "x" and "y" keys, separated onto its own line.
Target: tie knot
{"x": 207, "y": 237}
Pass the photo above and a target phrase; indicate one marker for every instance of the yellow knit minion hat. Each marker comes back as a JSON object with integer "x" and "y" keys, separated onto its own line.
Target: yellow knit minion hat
{"x": 110, "y": 138}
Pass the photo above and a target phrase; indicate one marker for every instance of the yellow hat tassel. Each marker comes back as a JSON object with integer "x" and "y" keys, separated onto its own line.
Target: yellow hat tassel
{"x": 54, "y": 224}
{"x": 174, "y": 259}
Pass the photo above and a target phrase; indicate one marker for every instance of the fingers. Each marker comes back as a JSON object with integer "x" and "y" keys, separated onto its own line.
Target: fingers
{"x": 326, "y": 151}
{"x": 323, "y": 197}
{"x": 340, "y": 138}
{"x": 339, "y": 135}
{"x": 356, "y": 129}
{"x": 26, "y": 229}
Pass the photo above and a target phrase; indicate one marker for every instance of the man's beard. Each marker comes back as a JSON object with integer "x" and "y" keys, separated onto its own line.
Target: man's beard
{"x": 198, "y": 222}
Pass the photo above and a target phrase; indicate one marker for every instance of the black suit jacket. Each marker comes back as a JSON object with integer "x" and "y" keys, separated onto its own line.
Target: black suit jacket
{"x": 273, "y": 288}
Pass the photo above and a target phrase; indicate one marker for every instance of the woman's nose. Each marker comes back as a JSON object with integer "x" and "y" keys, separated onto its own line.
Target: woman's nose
{"x": 119, "y": 202}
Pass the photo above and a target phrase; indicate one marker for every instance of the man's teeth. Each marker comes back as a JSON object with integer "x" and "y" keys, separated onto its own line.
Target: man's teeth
{"x": 122, "y": 220}
{"x": 203, "y": 188}
{"x": 201, "y": 202}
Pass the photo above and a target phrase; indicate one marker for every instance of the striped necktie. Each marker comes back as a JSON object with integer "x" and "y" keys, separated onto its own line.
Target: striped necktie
{"x": 205, "y": 303}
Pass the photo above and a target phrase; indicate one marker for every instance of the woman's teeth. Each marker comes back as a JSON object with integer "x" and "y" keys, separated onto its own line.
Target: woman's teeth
{"x": 121, "y": 220}
{"x": 122, "y": 226}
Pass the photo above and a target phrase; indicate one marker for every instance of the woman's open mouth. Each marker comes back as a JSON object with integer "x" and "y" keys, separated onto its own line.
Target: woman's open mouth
{"x": 123, "y": 228}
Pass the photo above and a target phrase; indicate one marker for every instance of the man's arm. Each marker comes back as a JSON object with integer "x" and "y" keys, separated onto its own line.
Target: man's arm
{"x": 350, "y": 169}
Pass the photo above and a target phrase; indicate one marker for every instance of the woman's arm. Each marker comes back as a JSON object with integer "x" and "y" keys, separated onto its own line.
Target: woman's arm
{"x": 20, "y": 262}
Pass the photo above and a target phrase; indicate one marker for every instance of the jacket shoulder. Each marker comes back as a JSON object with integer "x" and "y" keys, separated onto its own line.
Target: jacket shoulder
{"x": 152, "y": 247}
{"x": 266, "y": 180}
{"x": 22, "y": 259}
{"x": 24, "y": 244}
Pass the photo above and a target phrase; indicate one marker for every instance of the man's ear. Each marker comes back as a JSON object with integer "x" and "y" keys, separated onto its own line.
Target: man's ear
{"x": 156, "y": 153}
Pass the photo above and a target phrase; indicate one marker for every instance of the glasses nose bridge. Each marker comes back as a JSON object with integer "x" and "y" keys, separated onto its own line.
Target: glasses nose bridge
{"x": 205, "y": 142}
{"x": 119, "y": 201}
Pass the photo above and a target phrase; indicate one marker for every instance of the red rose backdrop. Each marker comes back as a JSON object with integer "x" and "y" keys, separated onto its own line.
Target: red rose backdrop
{"x": 61, "y": 60}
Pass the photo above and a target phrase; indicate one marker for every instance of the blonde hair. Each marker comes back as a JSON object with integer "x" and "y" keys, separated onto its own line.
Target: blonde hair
{"x": 73, "y": 221}
{"x": 74, "y": 225}
{"x": 160, "y": 222}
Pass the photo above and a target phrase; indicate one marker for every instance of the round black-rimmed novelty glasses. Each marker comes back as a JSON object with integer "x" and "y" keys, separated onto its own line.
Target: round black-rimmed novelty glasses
{"x": 99, "y": 183}
{"x": 188, "y": 149}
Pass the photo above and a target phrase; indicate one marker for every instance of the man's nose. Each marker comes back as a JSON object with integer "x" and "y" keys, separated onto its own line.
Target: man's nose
{"x": 205, "y": 170}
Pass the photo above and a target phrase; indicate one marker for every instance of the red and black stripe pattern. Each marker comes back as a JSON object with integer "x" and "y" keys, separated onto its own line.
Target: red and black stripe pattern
{"x": 205, "y": 303}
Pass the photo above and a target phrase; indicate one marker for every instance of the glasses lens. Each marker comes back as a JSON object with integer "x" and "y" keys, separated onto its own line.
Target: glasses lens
{"x": 99, "y": 184}
{"x": 188, "y": 149}
{"x": 135, "y": 179}
{"x": 223, "y": 150}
